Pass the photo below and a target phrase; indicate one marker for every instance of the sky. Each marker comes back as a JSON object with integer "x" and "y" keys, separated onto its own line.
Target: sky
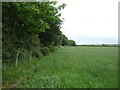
{"x": 90, "y": 21}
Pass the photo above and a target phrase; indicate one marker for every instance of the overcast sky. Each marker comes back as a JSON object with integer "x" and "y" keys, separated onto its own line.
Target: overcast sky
{"x": 91, "y": 21}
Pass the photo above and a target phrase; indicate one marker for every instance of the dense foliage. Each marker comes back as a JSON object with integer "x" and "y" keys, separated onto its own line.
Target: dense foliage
{"x": 31, "y": 28}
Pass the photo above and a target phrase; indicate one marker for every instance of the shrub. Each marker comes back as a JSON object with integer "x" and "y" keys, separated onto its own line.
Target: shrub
{"x": 37, "y": 53}
{"x": 8, "y": 56}
{"x": 40, "y": 54}
{"x": 23, "y": 54}
{"x": 45, "y": 50}
{"x": 52, "y": 49}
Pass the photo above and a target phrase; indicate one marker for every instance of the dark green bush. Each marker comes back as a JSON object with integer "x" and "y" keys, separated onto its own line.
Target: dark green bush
{"x": 45, "y": 51}
{"x": 8, "y": 56}
{"x": 35, "y": 53}
{"x": 56, "y": 48}
{"x": 40, "y": 54}
{"x": 23, "y": 53}
{"x": 52, "y": 49}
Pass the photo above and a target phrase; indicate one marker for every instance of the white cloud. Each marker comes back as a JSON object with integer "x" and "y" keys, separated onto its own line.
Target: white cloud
{"x": 91, "y": 21}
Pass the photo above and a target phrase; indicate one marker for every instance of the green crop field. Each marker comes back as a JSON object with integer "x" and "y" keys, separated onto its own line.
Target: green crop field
{"x": 74, "y": 67}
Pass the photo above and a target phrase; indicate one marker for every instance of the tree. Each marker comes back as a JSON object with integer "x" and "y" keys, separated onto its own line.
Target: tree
{"x": 21, "y": 26}
{"x": 72, "y": 43}
{"x": 31, "y": 26}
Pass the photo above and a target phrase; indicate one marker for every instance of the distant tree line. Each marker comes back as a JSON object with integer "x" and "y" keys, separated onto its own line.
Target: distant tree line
{"x": 100, "y": 45}
{"x": 31, "y": 29}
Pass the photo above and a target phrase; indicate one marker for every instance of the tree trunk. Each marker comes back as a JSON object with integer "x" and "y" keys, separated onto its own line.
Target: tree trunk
{"x": 30, "y": 55}
{"x": 17, "y": 55}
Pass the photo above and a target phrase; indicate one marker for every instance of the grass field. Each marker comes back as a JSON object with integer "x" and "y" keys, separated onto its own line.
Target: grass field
{"x": 74, "y": 67}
